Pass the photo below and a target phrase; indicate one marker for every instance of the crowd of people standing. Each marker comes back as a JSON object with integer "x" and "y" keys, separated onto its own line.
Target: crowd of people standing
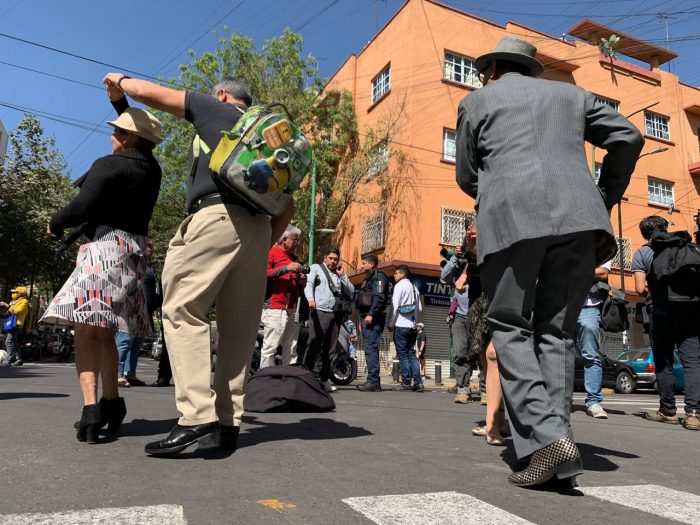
{"x": 527, "y": 284}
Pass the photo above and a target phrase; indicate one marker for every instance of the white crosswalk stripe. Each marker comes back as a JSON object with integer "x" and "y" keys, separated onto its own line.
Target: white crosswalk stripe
{"x": 150, "y": 515}
{"x": 660, "y": 501}
{"x": 436, "y": 508}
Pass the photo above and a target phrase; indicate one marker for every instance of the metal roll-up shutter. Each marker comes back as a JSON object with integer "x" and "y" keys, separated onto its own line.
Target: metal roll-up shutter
{"x": 439, "y": 341}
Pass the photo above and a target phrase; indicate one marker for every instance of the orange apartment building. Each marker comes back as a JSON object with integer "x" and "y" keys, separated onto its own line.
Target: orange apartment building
{"x": 421, "y": 63}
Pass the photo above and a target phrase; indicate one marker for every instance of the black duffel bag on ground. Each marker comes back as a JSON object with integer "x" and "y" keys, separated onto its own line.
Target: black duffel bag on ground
{"x": 286, "y": 388}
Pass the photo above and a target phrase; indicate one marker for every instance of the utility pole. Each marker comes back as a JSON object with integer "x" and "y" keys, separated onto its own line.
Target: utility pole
{"x": 312, "y": 219}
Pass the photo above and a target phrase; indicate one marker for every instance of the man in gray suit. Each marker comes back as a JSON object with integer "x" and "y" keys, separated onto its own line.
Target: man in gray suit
{"x": 543, "y": 228}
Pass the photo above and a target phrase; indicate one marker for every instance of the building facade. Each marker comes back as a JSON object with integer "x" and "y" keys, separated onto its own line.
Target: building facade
{"x": 421, "y": 64}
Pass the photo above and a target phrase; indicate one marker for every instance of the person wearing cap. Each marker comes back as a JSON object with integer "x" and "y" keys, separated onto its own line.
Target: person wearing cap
{"x": 19, "y": 307}
{"x": 217, "y": 256}
{"x": 543, "y": 228}
{"x": 406, "y": 310}
{"x": 105, "y": 294}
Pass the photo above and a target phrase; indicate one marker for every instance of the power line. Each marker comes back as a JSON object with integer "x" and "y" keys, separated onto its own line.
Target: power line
{"x": 228, "y": 13}
{"x": 51, "y": 75}
{"x": 75, "y": 55}
{"x": 314, "y": 17}
{"x": 56, "y": 118}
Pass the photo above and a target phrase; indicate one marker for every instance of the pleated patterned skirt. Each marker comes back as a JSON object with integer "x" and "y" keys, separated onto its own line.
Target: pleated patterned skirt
{"x": 106, "y": 287}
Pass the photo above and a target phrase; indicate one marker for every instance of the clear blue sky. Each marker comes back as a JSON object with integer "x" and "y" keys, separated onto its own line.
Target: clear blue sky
{"x": 151, "y": 36}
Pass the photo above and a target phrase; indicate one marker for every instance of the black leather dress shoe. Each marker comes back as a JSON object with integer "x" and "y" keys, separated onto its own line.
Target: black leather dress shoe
{"x": 161, "y": 381}
{"x": 206, "y": 436}
{"x": 229, "y": 437}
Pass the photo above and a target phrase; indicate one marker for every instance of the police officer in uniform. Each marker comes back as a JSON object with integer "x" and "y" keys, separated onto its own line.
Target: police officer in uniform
{"x": 371, "y": 302}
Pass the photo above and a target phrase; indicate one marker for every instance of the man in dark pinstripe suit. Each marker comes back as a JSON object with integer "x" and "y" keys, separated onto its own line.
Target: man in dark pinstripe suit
{"x": 543, "y": 228}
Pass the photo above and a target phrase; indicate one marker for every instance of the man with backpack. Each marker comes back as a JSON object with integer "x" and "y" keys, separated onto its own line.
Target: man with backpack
{"x": 371, "y": 303}
{"x": 667, "y": 267}
{"x": 217, "y": 256}
{"x": 329, "y": 293}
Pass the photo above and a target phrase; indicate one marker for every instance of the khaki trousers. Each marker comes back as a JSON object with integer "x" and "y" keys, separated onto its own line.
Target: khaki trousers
{"x": 218, "y": 255}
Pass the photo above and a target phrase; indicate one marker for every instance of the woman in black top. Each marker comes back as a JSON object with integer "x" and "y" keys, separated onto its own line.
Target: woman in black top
{"x": 105, "y": 294}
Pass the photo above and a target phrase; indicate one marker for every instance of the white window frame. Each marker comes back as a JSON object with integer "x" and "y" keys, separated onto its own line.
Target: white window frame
{"x": 379, "y": 160}
{"x": 609, "y": 102}
{"x": 373, "y": 232}
{"x": 381, "y": 84}
{"x": 449, "y": 144}
{"x": 460, "y": 69}
{"x": 656, "y": 125}
{"x": 660, "y": 191}
{"x": 627, "y": 247}
{"x": 452, "y": 226}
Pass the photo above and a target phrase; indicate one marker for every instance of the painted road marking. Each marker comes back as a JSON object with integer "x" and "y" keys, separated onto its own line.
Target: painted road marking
{"x": 653, "y": 499}
{"x": 151, "y": 515}
{"x": 437, "y": 508}
{"x": 276, "y": 504}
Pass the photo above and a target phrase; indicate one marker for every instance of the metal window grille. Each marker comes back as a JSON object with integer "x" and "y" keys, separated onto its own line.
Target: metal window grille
{"x": 461, "y": 69}
{"x": 381, "y": 84}
{"x": 373, "y": 233}
{"x": 602, "y": 100}
{"x": 626, "y": 250}
{"x": 660, "y": 191}
{"x": 596, "y": 172}
{"x": 379, "y": 160}
{"x": 449, "y": 147}
{"x": 453, "y": 226}
{"x": 656, "y": 126}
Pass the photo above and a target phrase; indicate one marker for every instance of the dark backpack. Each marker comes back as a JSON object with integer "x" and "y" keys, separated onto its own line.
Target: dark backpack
{"x": 286, "y": 388}
{"x": 613, "y": 317}
{"x": 674, "y": 279}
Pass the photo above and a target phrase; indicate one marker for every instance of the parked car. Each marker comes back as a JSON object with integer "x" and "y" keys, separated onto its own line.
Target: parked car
{"x": 617, "y": 375}
{"x": 641, "y": 360}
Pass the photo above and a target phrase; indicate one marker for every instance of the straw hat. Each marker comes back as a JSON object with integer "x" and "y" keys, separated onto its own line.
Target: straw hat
{"x": 513, "y": 49}
{"x": 140, "y": 123}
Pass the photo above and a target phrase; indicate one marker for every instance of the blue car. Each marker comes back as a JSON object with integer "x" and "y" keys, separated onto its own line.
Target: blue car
{"x": 641, "y": 360}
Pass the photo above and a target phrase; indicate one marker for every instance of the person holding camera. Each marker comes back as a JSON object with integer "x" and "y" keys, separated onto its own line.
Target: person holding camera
{"x": 19, "y": 308}
{"x": 371, "y": 303}
{"x": 328, "y": 290}
{"x": 284, "y": 278}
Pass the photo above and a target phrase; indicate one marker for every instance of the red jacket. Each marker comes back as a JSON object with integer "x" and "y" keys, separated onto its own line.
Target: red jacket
{"x": 284, "y": 284}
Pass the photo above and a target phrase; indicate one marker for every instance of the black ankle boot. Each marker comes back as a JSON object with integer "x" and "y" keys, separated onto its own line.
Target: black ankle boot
{"x": 90, "y": 422}
{"x": 113, "y": 413}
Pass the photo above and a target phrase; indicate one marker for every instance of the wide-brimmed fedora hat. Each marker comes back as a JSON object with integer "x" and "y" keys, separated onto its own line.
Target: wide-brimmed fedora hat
{"x": 513, "y": 49}
{"x": 141, "y": 123}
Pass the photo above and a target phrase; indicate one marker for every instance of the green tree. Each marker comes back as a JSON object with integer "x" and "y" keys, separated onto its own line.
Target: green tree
{"x": 279, "y": 73}
{"x": 33, "y": 184}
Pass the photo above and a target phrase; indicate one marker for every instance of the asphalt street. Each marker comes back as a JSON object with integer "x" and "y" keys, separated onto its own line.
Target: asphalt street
{"x": 389, "y": 457}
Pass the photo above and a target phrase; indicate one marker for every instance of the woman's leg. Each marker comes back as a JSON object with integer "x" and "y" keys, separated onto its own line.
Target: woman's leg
{"x": 493, "y": 390}
{"x": 109, "y": 364}
{"x": 89, "y": 342}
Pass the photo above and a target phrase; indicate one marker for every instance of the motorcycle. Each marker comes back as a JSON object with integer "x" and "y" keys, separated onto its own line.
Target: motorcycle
{"x": 34, "y": 345}
{"x": 343, "y": 362}
{"x": 65, "y": 347}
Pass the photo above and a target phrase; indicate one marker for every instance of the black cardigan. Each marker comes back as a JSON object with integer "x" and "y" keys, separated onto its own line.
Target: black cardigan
{"x": 119, "y": 190}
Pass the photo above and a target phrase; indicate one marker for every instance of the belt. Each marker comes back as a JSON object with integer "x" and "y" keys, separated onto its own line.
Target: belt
{"x": 218, "y": 198}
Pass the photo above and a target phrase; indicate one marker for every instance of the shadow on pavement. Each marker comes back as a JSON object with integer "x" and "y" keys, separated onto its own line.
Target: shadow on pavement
{"x": 314, "y": 428}
{"x": 594, "y": 457}
{"x": 20, "y": 395}
{"x": 18, "y": 372}
{"x": 145, "y": 427}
